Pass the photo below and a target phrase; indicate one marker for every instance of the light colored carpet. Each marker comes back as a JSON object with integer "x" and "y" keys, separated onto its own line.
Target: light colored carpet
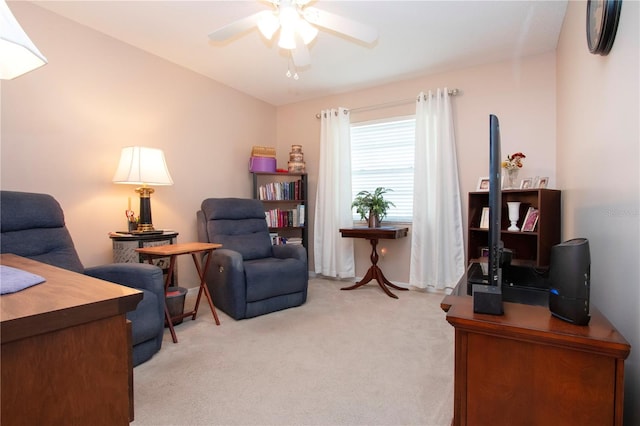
{"x": 343, "y": 358}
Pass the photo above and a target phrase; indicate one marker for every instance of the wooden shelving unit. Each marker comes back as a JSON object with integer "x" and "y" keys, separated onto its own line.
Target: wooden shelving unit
{"x": 529, "y": 248}
{"x": 285, "y": 203}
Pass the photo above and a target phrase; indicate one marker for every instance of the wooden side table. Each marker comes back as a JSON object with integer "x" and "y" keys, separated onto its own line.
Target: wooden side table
{"x": 374, "y": 272}
{"x": 173, "y": 251}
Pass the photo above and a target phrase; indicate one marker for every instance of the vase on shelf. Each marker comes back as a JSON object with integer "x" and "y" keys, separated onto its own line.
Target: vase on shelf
{"x": 374, "y": 220}
{"x": 512, "y": 178}
{"x": 514, "y": 215}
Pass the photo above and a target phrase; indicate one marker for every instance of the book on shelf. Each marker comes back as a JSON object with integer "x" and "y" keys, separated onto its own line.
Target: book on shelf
{"x": 283, "y": 218}
{"x": 530, "y": 220}
{"x": 484, "y": 219}
{"x": 277, "y": 191}
{"x": 278, "y": 240}
{"x": 294, "y": 241}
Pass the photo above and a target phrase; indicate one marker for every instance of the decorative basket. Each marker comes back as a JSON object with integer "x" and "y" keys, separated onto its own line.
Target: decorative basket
{"x": 263, "y": 151}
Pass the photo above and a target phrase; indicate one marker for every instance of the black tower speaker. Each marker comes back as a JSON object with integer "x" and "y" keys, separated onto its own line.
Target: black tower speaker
{"x": 570, "y": 280}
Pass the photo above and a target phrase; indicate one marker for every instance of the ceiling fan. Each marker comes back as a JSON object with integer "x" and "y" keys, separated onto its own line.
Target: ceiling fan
{"x": 298, "y": 25}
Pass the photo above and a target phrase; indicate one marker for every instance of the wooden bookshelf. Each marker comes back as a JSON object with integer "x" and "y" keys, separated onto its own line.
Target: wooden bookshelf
{"x": 284, "y": 192}
{"x": 529, "y": 248}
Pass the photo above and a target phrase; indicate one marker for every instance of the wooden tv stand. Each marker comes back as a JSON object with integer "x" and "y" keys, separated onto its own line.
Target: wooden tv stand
{"x": 528, "y": 367}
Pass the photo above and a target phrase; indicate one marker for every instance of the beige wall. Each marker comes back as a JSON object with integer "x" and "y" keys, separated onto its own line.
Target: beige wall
{"x": 521, "y": 93}
{"x": 598, "y": 161}
{"x": 64, "y": 124}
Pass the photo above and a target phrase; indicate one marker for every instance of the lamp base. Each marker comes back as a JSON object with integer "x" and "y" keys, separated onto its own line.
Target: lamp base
{"x": 145, "y": 227}
{"x": 144, "y": 222}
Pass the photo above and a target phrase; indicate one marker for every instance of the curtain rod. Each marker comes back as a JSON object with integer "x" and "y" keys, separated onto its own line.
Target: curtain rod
{"x": 452, "y": 92}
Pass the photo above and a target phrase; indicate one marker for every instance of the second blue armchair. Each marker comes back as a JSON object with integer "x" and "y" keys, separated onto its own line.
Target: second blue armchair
{"x": 249, "y": 276}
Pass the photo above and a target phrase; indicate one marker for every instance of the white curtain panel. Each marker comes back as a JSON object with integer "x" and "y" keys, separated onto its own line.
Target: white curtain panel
{"x": 437, "y": 245}
{"x": 333, "y": 255}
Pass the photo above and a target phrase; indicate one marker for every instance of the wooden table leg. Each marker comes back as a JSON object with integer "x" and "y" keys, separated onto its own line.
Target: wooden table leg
{"x": 167, "y": 316}
{"x": 203, "y": 286}
{"x": 375, "y": 272}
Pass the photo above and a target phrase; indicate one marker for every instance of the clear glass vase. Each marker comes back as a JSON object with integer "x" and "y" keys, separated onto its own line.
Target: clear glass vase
{"x": 512, "y": 178}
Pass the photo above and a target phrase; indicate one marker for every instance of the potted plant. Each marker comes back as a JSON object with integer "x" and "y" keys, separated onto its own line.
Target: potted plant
{"x": 372, "y": 206}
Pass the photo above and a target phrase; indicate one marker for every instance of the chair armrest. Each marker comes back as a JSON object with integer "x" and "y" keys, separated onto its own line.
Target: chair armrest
{"x": 228, "y": 259}
{"x": 226, "y": 281}
{"x": 134, "y": 275}
{"x": 286, "y": 251}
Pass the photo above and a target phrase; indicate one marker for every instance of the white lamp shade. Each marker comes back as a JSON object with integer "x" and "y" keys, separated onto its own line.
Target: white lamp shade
{"x": 18, "y": 54}
{"x": 142, "y": 166}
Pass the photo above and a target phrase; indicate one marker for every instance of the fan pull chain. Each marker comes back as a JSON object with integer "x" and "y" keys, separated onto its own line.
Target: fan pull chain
{"x": 288, "y": 73}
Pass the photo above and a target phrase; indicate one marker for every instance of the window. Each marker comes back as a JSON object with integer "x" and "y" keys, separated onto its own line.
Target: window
{"x": 382, "y": 155}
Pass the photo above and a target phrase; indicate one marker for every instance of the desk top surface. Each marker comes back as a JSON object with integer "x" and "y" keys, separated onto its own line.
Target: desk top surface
{"x": 65, "y": 299}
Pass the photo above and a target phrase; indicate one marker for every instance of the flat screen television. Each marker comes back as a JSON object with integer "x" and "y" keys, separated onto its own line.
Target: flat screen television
{"x": 491, "y": 273}
{"x": 495, "y": 203}
{"x": 487, "y": 295}
{"x": 520, "y": 284}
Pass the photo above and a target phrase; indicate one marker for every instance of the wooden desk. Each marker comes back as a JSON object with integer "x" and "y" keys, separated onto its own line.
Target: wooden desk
{"x": 66, "y": 349}
{"x": 172, "y": 251}
{"x": 374, "y": 272}
{"x": 528, "y": 367}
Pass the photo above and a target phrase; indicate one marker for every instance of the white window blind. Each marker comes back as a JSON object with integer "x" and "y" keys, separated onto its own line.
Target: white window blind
{"x": 382, "y": 154}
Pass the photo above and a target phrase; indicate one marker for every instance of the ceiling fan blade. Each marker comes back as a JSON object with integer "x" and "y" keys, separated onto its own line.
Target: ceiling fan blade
{"x": 300, "y": 55}
{"x": 341, "y": 25}
{"x": 236, "y": 28}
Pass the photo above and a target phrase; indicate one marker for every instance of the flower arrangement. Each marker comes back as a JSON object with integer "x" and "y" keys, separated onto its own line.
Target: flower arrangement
{"x": 514, "y": 161}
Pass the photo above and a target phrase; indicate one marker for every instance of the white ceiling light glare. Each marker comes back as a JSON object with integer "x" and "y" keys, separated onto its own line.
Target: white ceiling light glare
{"x": 268, "y": 24}
{"x": 287, "y": 38}
{"x": 288, "y": 23}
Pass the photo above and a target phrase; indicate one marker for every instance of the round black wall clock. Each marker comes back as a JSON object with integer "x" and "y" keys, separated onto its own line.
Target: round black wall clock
{"x": 602, "y": 23}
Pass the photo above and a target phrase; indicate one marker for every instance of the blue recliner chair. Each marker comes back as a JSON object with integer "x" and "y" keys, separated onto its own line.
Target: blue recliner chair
{"x": 249, "y": 276}
{"x": 32, "y": 225}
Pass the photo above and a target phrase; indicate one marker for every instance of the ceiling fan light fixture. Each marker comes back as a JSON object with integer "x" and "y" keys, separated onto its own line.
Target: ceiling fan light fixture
{"x": 307, "y": 31}
{"x": 288, "y": 16}
{"x": 287, "y": 38}
{"x": 298, "y": 26}
{"x": 268, "y": 24}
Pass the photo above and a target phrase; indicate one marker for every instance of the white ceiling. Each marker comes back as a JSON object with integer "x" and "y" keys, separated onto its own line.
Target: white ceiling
{"x": 415, "y": 38}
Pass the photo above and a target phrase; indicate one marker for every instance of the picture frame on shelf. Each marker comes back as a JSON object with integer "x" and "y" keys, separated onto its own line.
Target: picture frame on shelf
{"x": 484, "y": 219}
{"x": 526, "y": 183}
{"x": 530, "y": 220}
{"x": 483, "y": 184}
{"x": 543, "y": 181}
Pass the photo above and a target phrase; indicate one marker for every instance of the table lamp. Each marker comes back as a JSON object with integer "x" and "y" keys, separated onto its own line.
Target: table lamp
{"x": 143, "y": 166}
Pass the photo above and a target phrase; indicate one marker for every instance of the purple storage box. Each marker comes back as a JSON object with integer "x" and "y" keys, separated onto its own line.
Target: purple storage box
{"x": 262, "y": 164}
